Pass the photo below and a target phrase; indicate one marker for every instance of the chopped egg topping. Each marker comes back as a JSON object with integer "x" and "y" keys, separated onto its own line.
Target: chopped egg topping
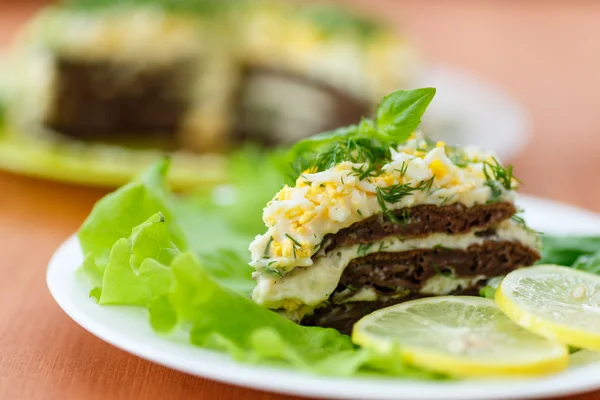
{"x": 298, "y": 218}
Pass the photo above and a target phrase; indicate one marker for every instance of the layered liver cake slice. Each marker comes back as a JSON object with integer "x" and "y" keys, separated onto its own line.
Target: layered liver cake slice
{"x": 349, "y": 239}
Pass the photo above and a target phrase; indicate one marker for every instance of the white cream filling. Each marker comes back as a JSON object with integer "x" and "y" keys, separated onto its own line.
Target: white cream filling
{"x": 313, "y": 285}
{"x": 363, "y": 294}
{"x": 440, "y": 285}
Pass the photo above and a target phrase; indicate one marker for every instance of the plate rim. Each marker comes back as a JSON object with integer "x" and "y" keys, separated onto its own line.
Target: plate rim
{"x": 229, "y": 371}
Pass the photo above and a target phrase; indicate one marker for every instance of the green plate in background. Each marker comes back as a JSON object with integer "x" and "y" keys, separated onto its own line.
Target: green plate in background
{"x": 96, "y": 164}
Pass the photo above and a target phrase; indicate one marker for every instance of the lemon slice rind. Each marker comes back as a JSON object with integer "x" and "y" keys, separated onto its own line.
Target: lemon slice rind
{"x": 552, "y": 358}
{"x": 543, "y": 326}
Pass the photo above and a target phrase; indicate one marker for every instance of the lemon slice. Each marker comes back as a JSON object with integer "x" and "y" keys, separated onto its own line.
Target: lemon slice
{"x": 556, "y": 302}
{"x": 461, "y": 336}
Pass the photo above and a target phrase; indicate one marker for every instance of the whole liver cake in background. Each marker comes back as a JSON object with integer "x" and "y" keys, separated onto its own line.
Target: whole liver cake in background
{"x": 198, "y": 75}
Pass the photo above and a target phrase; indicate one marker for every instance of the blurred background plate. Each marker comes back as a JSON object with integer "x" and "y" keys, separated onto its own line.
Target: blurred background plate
{"x": 467, "y": 110}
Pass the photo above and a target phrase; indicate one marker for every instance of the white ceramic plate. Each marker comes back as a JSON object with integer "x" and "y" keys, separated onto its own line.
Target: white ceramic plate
{"x": 127, "y": 328}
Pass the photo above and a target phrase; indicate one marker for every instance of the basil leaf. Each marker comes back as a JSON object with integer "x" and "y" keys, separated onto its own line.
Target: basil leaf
{"x": 399, "y": 113}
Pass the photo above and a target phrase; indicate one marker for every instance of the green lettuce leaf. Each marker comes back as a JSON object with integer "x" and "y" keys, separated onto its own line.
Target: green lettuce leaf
{"x": 588, "y": 263}
{"x": 147, "y": 265}
{"x": 565, "y": 250}
{"x": 114, "y": 216}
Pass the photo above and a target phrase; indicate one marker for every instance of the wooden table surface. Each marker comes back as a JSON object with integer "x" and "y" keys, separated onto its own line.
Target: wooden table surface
{"x": 546, "y": 54}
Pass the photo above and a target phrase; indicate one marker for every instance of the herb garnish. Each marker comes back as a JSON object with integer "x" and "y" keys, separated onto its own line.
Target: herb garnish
{"x": 363, "y": 248}
{"x": 403, "y": 168}
{"x": 521, "y": 222}
{"x": 395, "y": 193}
{"x": 392, "y": 194}
{"x": 426, "y": 185}
{"x": 405, "y": 216}
{"x": 369, "y": 142}
{"x": 497, "y": 178}
{"x": 267, "y": 247}
{"x": 446, "y": 273}
{"x": 295, "y": 244}
{"x": 446, "y": 199}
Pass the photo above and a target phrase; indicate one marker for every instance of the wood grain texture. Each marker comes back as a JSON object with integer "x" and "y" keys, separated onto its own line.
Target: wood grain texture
{"x": 546, "y": 54}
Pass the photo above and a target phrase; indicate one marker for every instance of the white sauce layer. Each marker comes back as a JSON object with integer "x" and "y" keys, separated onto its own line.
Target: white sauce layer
{"x": 313, "y": 285}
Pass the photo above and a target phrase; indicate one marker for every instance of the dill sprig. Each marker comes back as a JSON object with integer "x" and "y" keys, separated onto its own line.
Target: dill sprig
{"x": 446, "y": 273}
{"x": 499, "y": 173}
{"x": 273, "y": 271}
{"x": 395, "y": 193}
{"x": 403, "y": 168}
{"x": 294, "y": 241}
{"x": 498, "y": 178}
{"x": 358, "y": 151}
{"x": 267, "y": 247}
{"x": 392, "y": 194}
{"x": 405, "y": 216}
{"x": 295, "y": 244}
{"x": 366, "y": 171}
{"x": 519, "y": 220}
{"x": 363, "y": 248}
{"x": 426, "y": 185}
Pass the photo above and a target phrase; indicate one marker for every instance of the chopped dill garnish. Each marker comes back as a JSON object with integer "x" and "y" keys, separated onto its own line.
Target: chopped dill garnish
{"x": 457, "y": 156}
{"x": 521, "y": 222}
{"x": 403, "y": 168}
{"x": 267, "y": 247}
{"x": 445, "y": 274}
{"x": 446, "y": 199}
{"x": 342, "y": 179}
{"x": 518, "y": 219}
{"x": 498, "y": 178}
{"x": 441, "y": 247}
{"x": 295, "y": 244}
{"x": 426, "y": 185}
{"x": 274, "y": 271}
{"x": 395, "y": 193}
{"x": 363, "y": 248}
{"x": 293, "y": 240}
{"x": 357, "y": 151}
{"x": 392, "y": 194}
{"x": 405, "y": 216}
{"x": 382, "y": 246}
{"x": 359, "y": 212}
{"x": 365, "y": 171}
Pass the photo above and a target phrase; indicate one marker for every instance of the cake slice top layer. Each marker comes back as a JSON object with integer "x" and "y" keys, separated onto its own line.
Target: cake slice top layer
{"x": 416, "y": 172}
